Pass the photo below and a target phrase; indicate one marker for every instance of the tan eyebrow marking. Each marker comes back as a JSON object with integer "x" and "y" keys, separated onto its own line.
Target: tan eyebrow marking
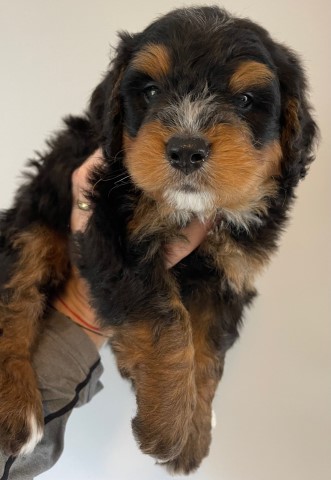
{"x": 250, "y": 74}
{"x": 154, "y": 60}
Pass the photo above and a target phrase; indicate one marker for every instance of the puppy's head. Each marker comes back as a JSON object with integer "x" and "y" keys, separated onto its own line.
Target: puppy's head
{"x": 207, "y": 113}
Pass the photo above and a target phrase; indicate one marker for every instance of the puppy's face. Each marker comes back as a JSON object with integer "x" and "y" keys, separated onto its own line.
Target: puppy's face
{"x": 202, "y": 110}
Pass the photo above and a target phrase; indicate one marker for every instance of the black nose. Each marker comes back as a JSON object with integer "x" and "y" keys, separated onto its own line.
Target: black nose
{"x": 187, "y": 153}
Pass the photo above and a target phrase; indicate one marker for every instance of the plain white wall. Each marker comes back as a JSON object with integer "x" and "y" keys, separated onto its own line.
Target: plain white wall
{"x": 273, "y": 405}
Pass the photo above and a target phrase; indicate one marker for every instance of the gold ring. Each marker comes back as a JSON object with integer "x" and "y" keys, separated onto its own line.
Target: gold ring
{"x": 83, "y": 205}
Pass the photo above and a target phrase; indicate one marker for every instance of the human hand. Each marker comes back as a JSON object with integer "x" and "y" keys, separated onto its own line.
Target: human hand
{"x": 74, "y": 300}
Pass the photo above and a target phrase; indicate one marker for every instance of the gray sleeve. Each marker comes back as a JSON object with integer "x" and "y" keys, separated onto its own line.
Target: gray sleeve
{"x": 68, "y": 369}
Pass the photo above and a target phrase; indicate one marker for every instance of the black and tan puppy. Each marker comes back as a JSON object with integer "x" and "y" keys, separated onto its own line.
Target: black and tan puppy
{"x": 200, "y": 115}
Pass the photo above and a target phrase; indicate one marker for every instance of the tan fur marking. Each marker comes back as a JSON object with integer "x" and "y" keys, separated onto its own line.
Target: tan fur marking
{"x": 152, "y": 219}
{"x": 154, "y": 60}
{"x": 240, "y": 267}
{"x": 43, "y": 259}
{"x": 239, "y": 174}
{"x": 250, "y": 74}
{"x": 145, "y": 157}
{"x": 292, "y": 128}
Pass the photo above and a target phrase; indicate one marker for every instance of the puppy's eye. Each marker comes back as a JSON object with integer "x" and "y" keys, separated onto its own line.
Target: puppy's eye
{"x": 151, "y": 92}
{"x": 244, "y": 100}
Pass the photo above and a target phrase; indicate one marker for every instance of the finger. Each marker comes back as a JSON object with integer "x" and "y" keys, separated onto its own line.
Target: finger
{"x": 195, "y": 233}
{"x": 80, "y": 213}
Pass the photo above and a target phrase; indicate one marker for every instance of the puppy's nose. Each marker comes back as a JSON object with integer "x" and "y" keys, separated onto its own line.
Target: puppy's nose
{"x": 187, "y": 153}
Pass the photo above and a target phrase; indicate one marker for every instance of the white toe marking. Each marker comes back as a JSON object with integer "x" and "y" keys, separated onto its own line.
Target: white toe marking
{"x": 213, "y": 419}
{"x": 36, "y": 434}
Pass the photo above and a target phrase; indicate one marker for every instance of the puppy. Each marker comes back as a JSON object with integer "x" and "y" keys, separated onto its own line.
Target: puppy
{"x": 200, "y": 115}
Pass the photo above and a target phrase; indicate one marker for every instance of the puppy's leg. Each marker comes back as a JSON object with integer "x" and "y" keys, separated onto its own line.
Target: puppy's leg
{"x": 139, "y": 300}
{"x": 209, "y": 362}
{"x": 41, "y": 261}
{"x": 158, "y": 358}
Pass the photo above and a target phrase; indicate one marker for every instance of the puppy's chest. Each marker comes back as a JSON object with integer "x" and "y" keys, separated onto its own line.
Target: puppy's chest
{"x": 219, "y": 256}
{"x": 237, "y": 264}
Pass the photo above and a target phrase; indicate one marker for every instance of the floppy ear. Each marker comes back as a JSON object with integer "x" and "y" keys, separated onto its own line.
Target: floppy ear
{"x": 298, "y": 129}
{"x": 105, "y": 111}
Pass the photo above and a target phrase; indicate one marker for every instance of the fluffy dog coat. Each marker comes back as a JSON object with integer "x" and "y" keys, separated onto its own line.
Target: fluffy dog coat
{"x": 200, "y": 115}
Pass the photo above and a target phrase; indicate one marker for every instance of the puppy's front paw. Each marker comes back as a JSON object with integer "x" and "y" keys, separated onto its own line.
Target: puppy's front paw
{"x": 21, "y": 415}
{"x": 163, "y": 440}
{"x": 196, "y": 447}
{"x": 166, "y": 402}
{"x": 20, "y": 432}
{"x": 191, "y": 456}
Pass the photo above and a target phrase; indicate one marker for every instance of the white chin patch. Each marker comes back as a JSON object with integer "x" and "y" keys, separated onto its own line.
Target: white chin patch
{"x": 199, "y": 202}
{"x": 36, "y": 434}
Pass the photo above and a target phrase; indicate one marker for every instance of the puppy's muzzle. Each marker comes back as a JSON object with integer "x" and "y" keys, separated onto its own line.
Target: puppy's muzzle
{"x": 187, "y": 154}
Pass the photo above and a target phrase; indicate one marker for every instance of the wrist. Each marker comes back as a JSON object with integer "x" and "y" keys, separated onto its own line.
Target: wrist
{"x": 73, "y": 302}
{"x": 89, "y": 329}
